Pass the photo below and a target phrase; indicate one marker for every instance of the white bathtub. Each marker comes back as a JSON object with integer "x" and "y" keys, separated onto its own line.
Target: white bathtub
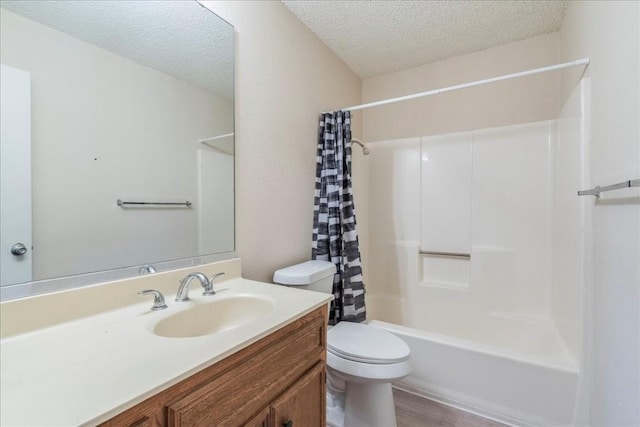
{"x": 511, "y": 369}
{"x": 500, "y": 330}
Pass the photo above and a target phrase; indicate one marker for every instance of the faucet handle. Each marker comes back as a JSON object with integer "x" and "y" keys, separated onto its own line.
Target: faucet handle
{"x": 158, "y": 299}
{"x": 208, "y": 290}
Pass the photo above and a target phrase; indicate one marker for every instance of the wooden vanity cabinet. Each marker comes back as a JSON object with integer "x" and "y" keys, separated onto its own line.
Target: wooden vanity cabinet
{"x": 277, "y": 381}
{"x": 298, "y": 406}
{"x": 303, "y": 404}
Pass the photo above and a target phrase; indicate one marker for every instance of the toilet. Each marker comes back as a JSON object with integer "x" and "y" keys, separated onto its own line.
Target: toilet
{"x": 362, "y": 360}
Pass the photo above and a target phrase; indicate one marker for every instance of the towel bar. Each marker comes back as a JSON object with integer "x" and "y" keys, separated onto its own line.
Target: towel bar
{"x": 123, "y": 203}
{"x": 597, "y": 190}
{"x": 448, "y": 254}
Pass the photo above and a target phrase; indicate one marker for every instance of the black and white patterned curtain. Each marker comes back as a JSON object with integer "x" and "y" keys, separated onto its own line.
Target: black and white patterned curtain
{"x": 334, "y": 220}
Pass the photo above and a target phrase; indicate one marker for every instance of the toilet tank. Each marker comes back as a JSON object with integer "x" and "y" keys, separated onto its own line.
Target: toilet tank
{"x": 313, "y": 275}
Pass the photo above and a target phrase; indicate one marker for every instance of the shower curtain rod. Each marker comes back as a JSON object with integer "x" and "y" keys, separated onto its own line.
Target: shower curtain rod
{"x": 583, "y": 61}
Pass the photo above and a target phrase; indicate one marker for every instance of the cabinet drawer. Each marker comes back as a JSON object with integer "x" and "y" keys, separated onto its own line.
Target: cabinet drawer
{"x": 231, "y": 398}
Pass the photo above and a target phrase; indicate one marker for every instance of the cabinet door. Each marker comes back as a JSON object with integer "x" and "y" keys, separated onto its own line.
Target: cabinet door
{"x": 304, "y": 403}
{"x": 260, "y": 420}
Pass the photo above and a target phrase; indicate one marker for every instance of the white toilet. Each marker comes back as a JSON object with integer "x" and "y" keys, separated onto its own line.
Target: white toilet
{"x": 362, "y": 360}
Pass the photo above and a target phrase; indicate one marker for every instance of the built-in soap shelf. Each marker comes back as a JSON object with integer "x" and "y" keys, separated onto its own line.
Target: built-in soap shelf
{"x": 442, "y": 269}
{"x": 492, "y": 267}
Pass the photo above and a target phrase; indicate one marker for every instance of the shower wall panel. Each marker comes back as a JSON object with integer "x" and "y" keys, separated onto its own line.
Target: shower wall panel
{"x": 446, "y": 193}
{"x": 512, "y": 212}
{"x": 394, "y": 212}
{"x": 571, "y": 217}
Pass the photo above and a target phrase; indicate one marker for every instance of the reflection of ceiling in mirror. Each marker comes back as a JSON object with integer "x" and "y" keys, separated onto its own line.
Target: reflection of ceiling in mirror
{"x": 180, "y": 38}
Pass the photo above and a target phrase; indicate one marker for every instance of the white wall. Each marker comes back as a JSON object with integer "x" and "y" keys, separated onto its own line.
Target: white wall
{"x": 82, "y": 162}
{"x": 285, "y": 77}
{"x": 608, "y": 32}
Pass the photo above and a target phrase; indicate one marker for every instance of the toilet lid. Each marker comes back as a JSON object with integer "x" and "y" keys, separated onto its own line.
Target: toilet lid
{"x": 365, "y": 343}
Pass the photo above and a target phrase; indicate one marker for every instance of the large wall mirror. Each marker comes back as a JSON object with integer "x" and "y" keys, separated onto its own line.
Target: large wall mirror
{"x": 117, "y": 138}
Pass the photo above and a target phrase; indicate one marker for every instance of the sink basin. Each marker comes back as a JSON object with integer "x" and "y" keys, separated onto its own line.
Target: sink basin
{"x": 215, "y": 316}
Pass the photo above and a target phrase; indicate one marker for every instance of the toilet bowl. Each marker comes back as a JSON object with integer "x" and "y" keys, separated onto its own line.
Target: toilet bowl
{"x": 367, "y": 359}
{"x": 362, "y": 360}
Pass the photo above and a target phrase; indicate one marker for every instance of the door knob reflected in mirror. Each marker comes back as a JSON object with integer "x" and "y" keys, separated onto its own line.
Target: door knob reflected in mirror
{"x": 18, "y": 249}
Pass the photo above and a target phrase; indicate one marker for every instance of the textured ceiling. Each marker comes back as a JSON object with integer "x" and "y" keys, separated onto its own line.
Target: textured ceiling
{"x": 180, "y": 38}
{"x": 378, "y": 37}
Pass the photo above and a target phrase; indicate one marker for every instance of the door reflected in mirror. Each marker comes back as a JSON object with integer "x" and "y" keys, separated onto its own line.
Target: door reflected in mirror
{"x": 105, "y": 101}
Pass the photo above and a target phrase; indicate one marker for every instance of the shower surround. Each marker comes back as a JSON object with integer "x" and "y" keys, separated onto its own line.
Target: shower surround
{"x": 497, "y": 329}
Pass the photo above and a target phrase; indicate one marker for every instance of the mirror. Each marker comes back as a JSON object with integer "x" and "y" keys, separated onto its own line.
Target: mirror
{"x": 117, "y": 138}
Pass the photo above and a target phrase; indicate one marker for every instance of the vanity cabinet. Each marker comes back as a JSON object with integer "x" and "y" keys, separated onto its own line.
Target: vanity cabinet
{"x": 298, "y": 406}
{"x": 277, "y": 381}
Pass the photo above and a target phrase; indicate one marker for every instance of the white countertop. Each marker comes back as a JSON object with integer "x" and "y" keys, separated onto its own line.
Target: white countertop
{"x": 87, "y": 370}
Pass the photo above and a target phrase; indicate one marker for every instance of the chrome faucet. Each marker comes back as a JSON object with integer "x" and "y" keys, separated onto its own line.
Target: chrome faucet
{"x": 183, "y": 290}
{"x": 147, "y": 269}
{"x": 207, "y": 285}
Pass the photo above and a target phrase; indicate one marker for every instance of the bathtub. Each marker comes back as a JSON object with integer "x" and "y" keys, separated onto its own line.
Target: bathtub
{"x": 477, "y": 256}
{"x": 513, "y": 369}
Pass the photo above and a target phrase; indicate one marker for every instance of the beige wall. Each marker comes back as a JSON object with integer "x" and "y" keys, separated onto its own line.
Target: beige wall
{"x": 608, "y": 32}
{"x": 517, "y": 101}
{"x": 285, "y": 77}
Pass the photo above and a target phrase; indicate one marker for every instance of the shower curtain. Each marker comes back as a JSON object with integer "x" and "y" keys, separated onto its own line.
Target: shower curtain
{"x": 334, "y": 221}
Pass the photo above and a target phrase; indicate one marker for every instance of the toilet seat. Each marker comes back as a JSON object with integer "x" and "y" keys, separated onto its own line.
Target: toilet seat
{"x": 362, "y": 343}
{"x": 359, "y": 372}
{"x": 366, "y": 359}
